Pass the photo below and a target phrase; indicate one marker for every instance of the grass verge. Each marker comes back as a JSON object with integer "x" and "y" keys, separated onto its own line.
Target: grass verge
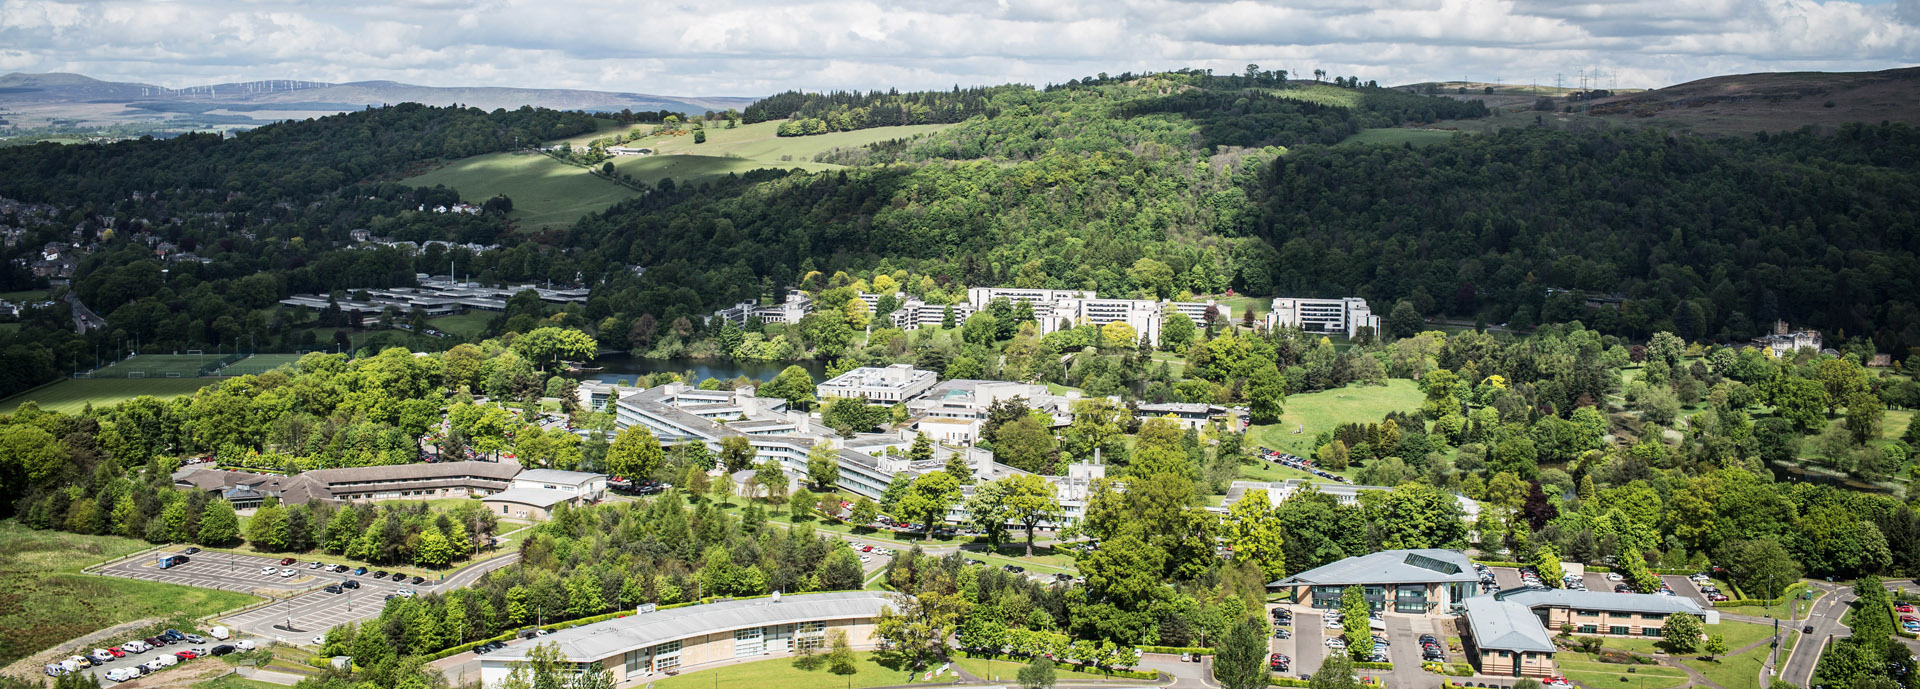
{"x": 872, "y": 670}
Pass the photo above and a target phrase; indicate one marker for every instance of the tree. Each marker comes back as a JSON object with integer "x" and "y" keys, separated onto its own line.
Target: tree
{"x": 1026, "y": 444}
{"x": 635, "y": 454}
{"x": 1667, "y": 347}
{"x": 1029, "y": 500}
{"x": 1864, "y": 412}
{"x": 850, "y": 415}
{"x": 1266, "y": 394}
{"x": 1761, "y": 567}
{"x": 1355, "y": 617}
{"x": 794, "y": 385}
{"x": 1682, "y": 633}
{"x": 1037, "y": 674}
{"x": 1239, "y": 662}
{"x": 1716, "y": 646}
{"x": 1332, "y": 456}
{"x": 840, "y": 660}
{"x": 988, "y": 511}
{"x": 823, "y": 466}
{"x": 768, "y": 476}
{"x": 1336, "y": 672}
{"x": 1800, "y": 401}
{"x": 1403, "y": 321}
{"x": 736, "y": 453}
{"x": 1254, "y": 534}
{"x": 864, "y": 511}
{"x": 1546, "y": 563}
{"x": 929, "y": 498}
{"x": 920, "y": 624}
{"x": 1176, "y": 331}
{"x": 219, "y": 526}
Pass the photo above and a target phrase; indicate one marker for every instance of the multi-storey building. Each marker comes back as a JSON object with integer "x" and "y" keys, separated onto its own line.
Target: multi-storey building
{"x": 1347, "y": 315}
{"x": 896, "y": 383}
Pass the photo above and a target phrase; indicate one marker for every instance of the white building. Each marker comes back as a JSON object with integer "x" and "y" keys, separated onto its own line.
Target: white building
{"x": 1345, "y": 315}
{"x": 1783, "y": 342}
{"x": 795, "y": 307}
{"x": 1346, "y": 494}
{"x": 896, "y": 383}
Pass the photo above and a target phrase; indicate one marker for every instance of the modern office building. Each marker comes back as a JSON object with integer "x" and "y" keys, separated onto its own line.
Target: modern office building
{"x": 1505, "y": 639}
{"x": 654, "y": 645}
{"x": 1410, "y": 581}
{"x": 1187, "y": 414}
{"x": 896, "y": 383}
{"x": 1510, "y": 633}
{"x": 1346, "y": 315}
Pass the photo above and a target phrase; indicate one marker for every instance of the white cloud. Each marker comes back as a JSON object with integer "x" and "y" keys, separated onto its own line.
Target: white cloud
{"x": 746, "y": 47}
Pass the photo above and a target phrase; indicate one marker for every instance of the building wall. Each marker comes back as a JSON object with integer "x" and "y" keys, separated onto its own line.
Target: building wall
{"x": 701, "y": 651}
{"x": 1604, "y": 622}
{"x": 1382, "y": 598}
{"x": 1500, "y": 663}
{"x": 514, "y": 510}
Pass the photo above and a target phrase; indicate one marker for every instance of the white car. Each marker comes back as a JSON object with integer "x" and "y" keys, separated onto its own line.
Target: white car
{"x": 101, "y": 654}
{"x": 319, "y": 641}
{"x": 866, "y": 558}
{"x": 244, "y": 644}
{"x": 135, "y": 646}
{"x": 163, "y": 660}
{"x": 268, "y": 571}
{"x": 1334, "y": 623}
{"x": 1335, "y": 642}
{"x": 288, "y": 572}
{"x": 1615, "y": 576}
{"x": 405, "y": 593}
{"x": 122, "y": 674}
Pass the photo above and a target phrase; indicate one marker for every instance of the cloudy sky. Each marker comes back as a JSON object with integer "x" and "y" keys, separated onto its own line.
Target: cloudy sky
{"x": 754, "y": 47}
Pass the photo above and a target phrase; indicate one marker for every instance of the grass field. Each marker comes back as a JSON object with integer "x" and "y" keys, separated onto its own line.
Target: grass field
{"x": 24, "y": 296}
{"x": 687, "y": 167}
{"x": 157, "y": 366}
{"x": 466, "y": 325}
{"x": 545, "y": 192}
{"x": 1582, "y": 668}
{"x": 259, "y": 363}
{"x": 235, "y": 682}
{"x": 44, "y": 600}
{"x": 781, "y": 673}
{"x": 1322, "y": 94}
{"x": 71, "y": 395}
{"x": 1322, "y": 411}
{"x": 1737, "y": 634}
{"x": 760, "y": 141}
{"x": 1394, "y": 136}
{"x": 996, "y": 670}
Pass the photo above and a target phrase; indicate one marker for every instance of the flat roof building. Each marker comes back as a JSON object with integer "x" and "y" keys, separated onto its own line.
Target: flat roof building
{"x": 652, "y": 645}
{"x": 1410, "y": 581}
{"x": 1346, "y": 315}
{"x": 896, "y": 383}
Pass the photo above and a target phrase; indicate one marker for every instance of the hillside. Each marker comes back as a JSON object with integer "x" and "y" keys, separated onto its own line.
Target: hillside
{"x": 1775, "y": 101}
{"x": 30, "y": 101}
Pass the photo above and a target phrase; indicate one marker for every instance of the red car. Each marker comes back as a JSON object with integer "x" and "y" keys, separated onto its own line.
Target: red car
{"x": 287, "y": 561}
{"x": 117, "y": 653}
{"x": 1908, "y": 618}
{"x": 866, "y": 549}
{"x": 186, "y": 655}
{"x": 1903, "y": 607}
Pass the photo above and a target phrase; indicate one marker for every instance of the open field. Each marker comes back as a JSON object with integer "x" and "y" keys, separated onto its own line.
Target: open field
{"x": 545, "y": 192}
{"x": 44, "y": 600}
{"x": 1394, "y": 136}
{"x": 1737, "y": 634}
{"x": 158, "y": 366}
{"x": 781, "y": 673}
{"x": 1584, "y": 669}
{"x": 466, "y": 325}
{"x": 682, "y": 168}
{"x": 24, "y": 296}
{"x": 235, "y": 682}
{"x": 760, "y": 141}
{"x": 259, "y": 363}
{"x": 70, "y": 396}
{"x": 1324, "y": 410}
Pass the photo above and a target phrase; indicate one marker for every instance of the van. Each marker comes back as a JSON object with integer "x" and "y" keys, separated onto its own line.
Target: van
{"x": 122, "y": 674}
{"x": 221, "y": 633}
{"x": 244, "y": 644}
{"x": 164, "y": 660}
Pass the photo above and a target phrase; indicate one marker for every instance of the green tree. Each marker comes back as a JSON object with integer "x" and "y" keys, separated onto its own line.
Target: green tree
{"x": 1864, "y": 413}
{"x": 1357, "y": 622}
{"x": 1239, "y": 661}
{"x": 549, "y": 345}
{"x": 1546, "y": 563}
{"x": 794, "y": 385}
{"x": 1026, "y": 444}
{"x": 1029, "y": 501}
{"x": 635, "y": 454}
{"x": 840, "y": 659}
{"x": 433, "y": 549}
{"x": 1403, "y": 320}
{"x": 268, "y": 528}
{"x": 1266, "y": 394}
{"x": 864, "y": 511}
{"x": 987, "y": 509}
{"x": 219, "y": 526}
{"x": 1255, "y": 535}
{"x": 1176, "y": 331}
{"x": 1716, "y": 646}
{"x": 1761, "y": 567}
{"x": 1037, "y": 674}
{"x": 736, "y": 453}
{"x": 823, "y": 466}
{"x": 1336, "y": 672}
{"x": 1800, "y": 401}
{"x": 1682, "y": 633}
{"x": 929, "y": 498}
{"x": 1332, "y": 456}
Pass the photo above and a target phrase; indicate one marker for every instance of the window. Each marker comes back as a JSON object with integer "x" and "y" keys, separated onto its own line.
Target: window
{"x": 1505, "y": 654}
{"x": 1655, "y": 616}
{"x": 1589, "y": 613}
{"x": 810, "y": 635}
{"x": 1617, "y": 629}
{"x": 666, "y": 657}
{"x": 637, "y": 661}
{"x": 1589, "y": 629}
{"x": 1649, "y": 631}
{"x": 748, "y": 642}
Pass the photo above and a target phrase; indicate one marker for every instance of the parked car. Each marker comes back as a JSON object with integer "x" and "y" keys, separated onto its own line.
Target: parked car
{"x": 136, "y": 646}
{"x": 333, "y": 588}
{"x": 191, "y": 551}
{"x": 100, "y": 655}
{"x": 288, "y": 572}
{"x": 287, "y": 561}
{"x": 174, "y": 635}
{"x": 116, "y": 652}
{"x": 121, "y": 674}
{"x": 1807, "y": 629}
{"x": 359, "y": 571}
{"x": 244, "y": 644}
{"x": 195, "y": 639}
{"x": 155, "y": 641}
{"x": 268, "y": 571}
{"x": 316, "y": 564}
{"x": 349, "y": 584}
{"x": 418, "y": 580}
{"x": 186, "y": 654}
{"x": 382, "y": 574}
{"x": 220, "y": 650}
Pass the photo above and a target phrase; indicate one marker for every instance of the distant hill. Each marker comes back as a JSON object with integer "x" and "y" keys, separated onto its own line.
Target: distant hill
{"x": 57, "y": 99}
{"x": 1774, "y": 101}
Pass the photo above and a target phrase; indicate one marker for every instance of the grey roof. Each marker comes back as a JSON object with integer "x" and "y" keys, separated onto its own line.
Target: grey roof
{"x": 613, "y": 637}
{"x": 498, "y": 471}
{"x": 1505, "y": 626}
{"x": 1424, "y": 566}
{"x": 1603, "y": 600}
{"x": 537, "y": 497}
{"x": 556, "y": 476}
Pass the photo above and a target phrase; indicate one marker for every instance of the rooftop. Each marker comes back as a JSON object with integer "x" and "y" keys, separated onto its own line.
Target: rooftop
{"x": 500, "y": 471}
{"x": 600, "y": 640}
{"x": 556, "y": 476}
{"x": 1602, "y": 600}
{"x": 1506, "y": 626}
{"x": 538, "y": 497}
{"x": 1422, "y": 566}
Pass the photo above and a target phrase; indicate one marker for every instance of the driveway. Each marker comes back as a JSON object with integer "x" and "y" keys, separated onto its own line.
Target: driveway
{"x": 1598, "y": 582}
{"x": 1507, "y": 577}
{"x": 1825, "y": 619}
{"x": 1685, "y": 588}
{"x": 1186, "y": 675}
{"x": 1286, "y": 647}
{"x": 1309, "y": 642}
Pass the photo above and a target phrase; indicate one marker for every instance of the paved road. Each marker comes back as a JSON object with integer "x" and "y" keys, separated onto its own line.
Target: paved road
{"x": 1186, "y": 675}
{"x": 1825, "y": 619}
{"x": 1309, "y": 641}
{"x": 1598, "y": 582}
{"x": 1685, "y": 588}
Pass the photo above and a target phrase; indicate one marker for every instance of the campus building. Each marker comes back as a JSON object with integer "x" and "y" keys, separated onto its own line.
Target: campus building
{"x": 1345, "y": 493}
{"x": 1510, "y": 632}
{"x": 1784, "y": 342}
{"x": 535, "y": 492}
{"x": 1345, "y": 315}
{"x": 1505, "y": 639}
{"x": 1409, "y": 581}
{"x": 654, "y": 645}
{"x": 896, "y": 383}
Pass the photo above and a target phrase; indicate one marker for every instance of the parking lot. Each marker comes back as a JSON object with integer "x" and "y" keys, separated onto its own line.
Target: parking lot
{"x": 1685, "y": 588}
{"x": 303, "y": 601}
{"x": 99, "y": 672}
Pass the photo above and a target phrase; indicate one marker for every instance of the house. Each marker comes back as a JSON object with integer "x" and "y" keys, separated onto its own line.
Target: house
{"x": 1783, "y": 342}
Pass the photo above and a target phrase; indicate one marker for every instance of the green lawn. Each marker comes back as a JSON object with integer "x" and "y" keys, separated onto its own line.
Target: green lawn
{"x": 780, "y": 673}
{"x": 46, "y": 600}
{"x": 1395, "y": 136}
{"x": 1737, "y": 634}
{"x": 72, "y": 395}
{"x": 1270, "y": 472}
{"x": 259, "y": 363}
{"x": 1734, "y": 672}
{"x": 236, "y": 682}
{"x": 546, "y": 193}
{"x": 1324, "y": 410}
{"x": 24, "y": 296}
{"x": 1582, "y": 668}
{"x": 999, "y": 670}
{"x": 158, "y": 366}
{"x": 467, "y": 325}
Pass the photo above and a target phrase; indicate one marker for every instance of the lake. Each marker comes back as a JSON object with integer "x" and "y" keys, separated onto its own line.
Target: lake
{"x": 624, "y": 367}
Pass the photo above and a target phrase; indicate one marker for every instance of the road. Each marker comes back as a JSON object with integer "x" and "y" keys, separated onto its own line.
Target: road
{"x": 84, "y": 319}
{"x": 1825, "y": 619}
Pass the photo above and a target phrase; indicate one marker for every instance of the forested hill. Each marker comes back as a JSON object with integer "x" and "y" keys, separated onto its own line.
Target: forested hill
{"x": 280, "y": 162}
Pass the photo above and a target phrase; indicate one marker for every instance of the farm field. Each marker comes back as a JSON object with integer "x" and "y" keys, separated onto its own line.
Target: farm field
{"x": 72, "y": 395}
{"x": 761, "y": 141}
{"x": 52, "y": 602}
{"x": 1324, "y": 410}
{"x": 545, "y": 192}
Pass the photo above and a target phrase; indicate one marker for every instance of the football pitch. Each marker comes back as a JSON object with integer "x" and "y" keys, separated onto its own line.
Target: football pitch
{"x": 72, "y": 395}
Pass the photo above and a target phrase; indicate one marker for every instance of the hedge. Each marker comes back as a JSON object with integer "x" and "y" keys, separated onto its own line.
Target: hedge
{"x": 1202, "y": 650}
{"x": 1366, "y": 665}
{"x": 1894, "y": 617}
{"x": 1454, "y": 669}
{"x": 1497, "y": 563}
{"x": 1792, "y": 590}
{"x": 1291, "y": 682}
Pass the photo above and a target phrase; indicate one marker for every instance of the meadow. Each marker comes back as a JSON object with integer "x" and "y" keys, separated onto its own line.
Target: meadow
{"x": 762, "y": 143}
{"x": 72, "y": 395}
{"x": 780, "y": 672}
{"x": 546, "y": 192}
{"x": 47, "y": 600}
{"x": 1315, "y": 412}
{"x": 1395, "y": 136}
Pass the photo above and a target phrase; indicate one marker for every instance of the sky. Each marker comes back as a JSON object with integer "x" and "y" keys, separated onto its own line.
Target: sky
{"x": 757, "y": 47}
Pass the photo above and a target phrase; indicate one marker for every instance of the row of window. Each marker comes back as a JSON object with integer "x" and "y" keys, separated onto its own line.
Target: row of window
{"x": 1654, "y": 616}
{"x": 1619, "y": 630}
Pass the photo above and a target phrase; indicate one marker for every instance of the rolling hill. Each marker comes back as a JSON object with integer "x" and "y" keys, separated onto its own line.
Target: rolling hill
{"x": 1774, "y": 101}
